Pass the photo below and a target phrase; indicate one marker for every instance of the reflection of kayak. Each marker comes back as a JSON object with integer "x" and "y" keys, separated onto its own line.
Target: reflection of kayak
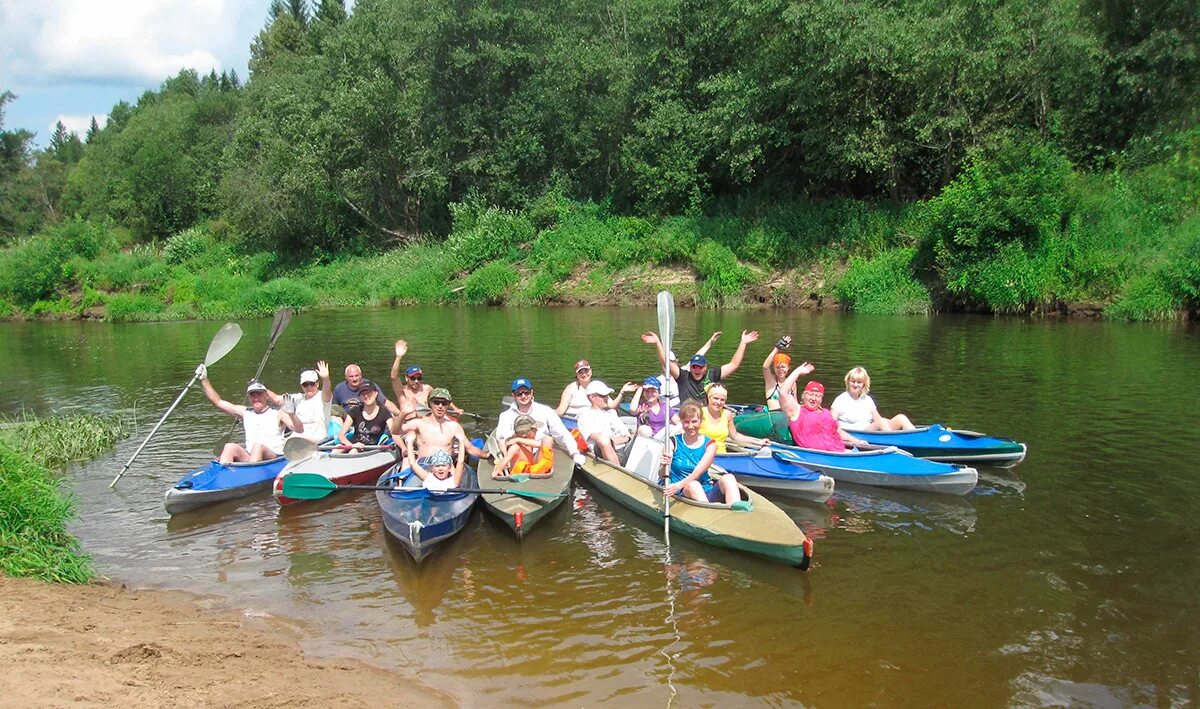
{"x": 420, "y": 519}
{"x": 769, "y": 472}
{"x": 763, "y": 529}
{"x": 216, "y": 483}
{"x": 353, "y": 468}
{"x": 884, "y": 468}
{"x": 521, "y": 513}
{"x": 933, "y": 442}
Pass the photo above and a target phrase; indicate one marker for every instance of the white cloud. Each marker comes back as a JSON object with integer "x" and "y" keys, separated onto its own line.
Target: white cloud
{"x": 137, "y": 42}
{"x": 77, "y": 124}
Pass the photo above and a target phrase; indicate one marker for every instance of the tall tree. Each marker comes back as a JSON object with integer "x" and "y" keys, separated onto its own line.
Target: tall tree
{"x": 92, "y": 130}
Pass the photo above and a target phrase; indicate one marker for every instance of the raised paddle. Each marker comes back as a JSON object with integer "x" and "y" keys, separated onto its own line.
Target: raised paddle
{"x": 283, "y": 316}
{"x": 311, "y": 486}
{"x": 666, "y": 333}
{"x": 224, "y": 341}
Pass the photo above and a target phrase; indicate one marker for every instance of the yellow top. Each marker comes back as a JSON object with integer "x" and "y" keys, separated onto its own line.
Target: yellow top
{"x": 717, "y": 429}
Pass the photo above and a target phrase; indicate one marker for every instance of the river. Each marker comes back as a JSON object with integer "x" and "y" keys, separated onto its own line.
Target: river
{"x": 1069, "y": 579}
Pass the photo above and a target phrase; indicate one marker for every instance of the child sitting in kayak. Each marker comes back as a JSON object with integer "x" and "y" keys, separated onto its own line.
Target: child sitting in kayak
{"x": 526, "y": 454}
{"x": 436, "y": 471}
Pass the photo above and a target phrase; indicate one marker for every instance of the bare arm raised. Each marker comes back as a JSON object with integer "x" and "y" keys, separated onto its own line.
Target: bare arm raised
{"x": 729, "y": 368}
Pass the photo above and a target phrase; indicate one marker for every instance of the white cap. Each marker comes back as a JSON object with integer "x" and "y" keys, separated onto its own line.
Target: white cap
{"x": 255, "y": 385}
{"x": 598, "y": 387}
{"x": 307, "y": 376}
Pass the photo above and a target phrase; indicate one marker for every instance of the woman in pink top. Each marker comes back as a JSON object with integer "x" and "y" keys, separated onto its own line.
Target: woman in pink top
{"x": 811, "y": 425}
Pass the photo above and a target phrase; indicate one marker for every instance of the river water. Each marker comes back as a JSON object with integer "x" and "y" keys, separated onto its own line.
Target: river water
{"x": 1069, "y": 579}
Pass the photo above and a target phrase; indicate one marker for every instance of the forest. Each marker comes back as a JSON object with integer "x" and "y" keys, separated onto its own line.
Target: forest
{"x": 886, "y": 156}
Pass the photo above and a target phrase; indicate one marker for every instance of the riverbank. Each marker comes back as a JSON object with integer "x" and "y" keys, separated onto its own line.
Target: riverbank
{"x": 105, "y": 645}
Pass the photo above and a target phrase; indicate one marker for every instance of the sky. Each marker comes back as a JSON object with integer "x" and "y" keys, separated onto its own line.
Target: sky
{"x": 70, "y": 60}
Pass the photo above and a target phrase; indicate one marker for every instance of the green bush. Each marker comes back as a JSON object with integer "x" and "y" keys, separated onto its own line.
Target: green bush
{"x": 1012, "y": 281}
{"x": 133, "y": 307}
{"x": 424, "y": 276}
{"x": 482, "y": 236}
{"x": 187, "y": 245}
{"x": 61, "y": 307}
{"x": 1145, "y": 297}
{"x": 7, "y": 309}
{"x": 722, "y": 277}
{"x": 490, "y": 284}
{"x": 674, "y": 241}
{"x": 1181, "y": 274}
{"x": 276, "y": 294}
{"x": 34, "y": 510}
{"x": 76, "y": 237}
{"x": 883, "y": 285}
{"x": 32, "y": 270}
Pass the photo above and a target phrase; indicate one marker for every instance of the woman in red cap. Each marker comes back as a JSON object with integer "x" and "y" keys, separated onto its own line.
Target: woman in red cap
{"x": 811, "y": 425}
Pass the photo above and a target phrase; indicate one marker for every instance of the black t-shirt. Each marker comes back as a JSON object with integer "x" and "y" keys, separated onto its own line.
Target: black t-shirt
{"x": 692, "y": 389}
{"x": 369, "y": 431}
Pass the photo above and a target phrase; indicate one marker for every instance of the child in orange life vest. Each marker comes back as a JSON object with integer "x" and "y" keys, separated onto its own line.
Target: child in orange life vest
{"x": 523, "y": 454}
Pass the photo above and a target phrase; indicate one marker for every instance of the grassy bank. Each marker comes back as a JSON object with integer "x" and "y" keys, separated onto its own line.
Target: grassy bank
{"x": 1020, "y": 230}
{"x": 34, "y": 507}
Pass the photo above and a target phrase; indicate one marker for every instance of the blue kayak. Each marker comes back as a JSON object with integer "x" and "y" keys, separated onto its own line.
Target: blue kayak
{"x": 887, "y": 467}
{"x": 765, "y": 471}
{"x": 936, "y": 442}
{"x": 216, "y": 483}
{"x": 420, "y": 520}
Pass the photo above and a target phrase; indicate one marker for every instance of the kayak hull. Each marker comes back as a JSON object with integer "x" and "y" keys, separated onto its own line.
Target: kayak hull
{"x": 883, "y": 468}
{"x": 350, "y": 468}
{"x": 765, "y": 530}
{"x": 420, "y": 520}
{"x": 520, "y": 514}
{"x": 766, "y": 473}
{"x": 218, "y": 483}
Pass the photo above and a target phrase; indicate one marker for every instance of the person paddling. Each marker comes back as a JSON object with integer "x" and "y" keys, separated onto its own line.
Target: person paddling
{"x": 264, "y": 425}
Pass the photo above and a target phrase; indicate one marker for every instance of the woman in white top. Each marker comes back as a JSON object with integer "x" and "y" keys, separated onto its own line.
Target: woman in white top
{"x": 855, "y": 410}
{"x": 314, "y": 403}
{"x": 574, "y": 400}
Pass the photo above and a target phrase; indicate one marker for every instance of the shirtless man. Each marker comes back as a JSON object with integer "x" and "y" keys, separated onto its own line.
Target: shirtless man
{"x": 412, "y": 391}
{"x": 436, "y": 432}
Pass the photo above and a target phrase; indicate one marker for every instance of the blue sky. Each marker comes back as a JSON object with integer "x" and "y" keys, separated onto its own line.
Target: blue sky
{"x": 70, "y": 60}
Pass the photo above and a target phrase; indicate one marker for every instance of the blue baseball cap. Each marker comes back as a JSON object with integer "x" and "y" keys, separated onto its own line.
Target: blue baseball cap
{"x": 652, "y": 382}
{"x": 415, "y": 369}
{"x": 698, "y": 360}
{"x": 521, "y": 382}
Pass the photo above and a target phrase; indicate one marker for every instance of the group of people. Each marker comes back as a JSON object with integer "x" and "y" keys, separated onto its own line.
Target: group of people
{"x": 689, "y": 402}
{"x": 419, "y": 421}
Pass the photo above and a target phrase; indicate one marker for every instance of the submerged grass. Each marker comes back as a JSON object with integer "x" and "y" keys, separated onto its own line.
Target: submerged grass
{"x": 34, "y": 504}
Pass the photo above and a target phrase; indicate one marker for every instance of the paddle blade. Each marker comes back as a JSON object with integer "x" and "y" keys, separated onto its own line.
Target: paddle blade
{"x": 283, "y": 316}
{"x": 666, "y": 319}
{"x": 224, "y": 341}
{"x": 307, "y": 486}
{"x": 298, "y": 448}
{"x": 493, "y": 446}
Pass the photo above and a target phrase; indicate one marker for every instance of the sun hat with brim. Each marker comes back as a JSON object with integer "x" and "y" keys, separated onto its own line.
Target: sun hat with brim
{"x": 254, "y": 386}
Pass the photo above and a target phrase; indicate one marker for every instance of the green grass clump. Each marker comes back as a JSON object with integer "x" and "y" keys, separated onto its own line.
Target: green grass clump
{"x": 883, "y": 285}
{"x": 1145, "y": 297}
{"x": 34, "y": 507}
{"x": 490, "y": 284}
{"x": 134, "y": 307}
{"x": 482, "y": 235}
{"x": 722, "y": 277}
{"x": 273, "y": 295}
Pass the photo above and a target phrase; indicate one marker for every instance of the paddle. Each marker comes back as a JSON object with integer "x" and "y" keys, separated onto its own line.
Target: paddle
{"x": 666, "y": 333}
{"x": 224, "y": 341}
{"x": 283, "y": 316}
{"x": 311, "y": 486}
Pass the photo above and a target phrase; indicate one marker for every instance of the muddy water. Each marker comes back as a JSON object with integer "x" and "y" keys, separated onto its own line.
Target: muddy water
{"x": 1069, "y": 579}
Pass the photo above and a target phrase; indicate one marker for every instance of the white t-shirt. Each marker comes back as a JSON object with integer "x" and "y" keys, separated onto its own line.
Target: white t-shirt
{"x": 263, "y": 428}
{"x": 578, "y": 401}
{"x": 432, "y": 482}
{"x": 854, "y": 415}
{"x": 601, "y": 421}
{"x": 315, "y": 413}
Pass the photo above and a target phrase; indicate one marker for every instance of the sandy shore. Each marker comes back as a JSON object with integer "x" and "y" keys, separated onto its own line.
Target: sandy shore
{"x": 103, "y": 645}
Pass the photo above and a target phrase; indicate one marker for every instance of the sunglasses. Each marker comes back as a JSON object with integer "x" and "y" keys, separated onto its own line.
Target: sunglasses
{"x": 522, "y": 392}
{"x": 438, "y": 402}
{"x": 415, "y": 378}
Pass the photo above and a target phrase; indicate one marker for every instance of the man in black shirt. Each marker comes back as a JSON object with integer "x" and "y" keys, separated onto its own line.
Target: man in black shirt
{"x": 698, "y": 375}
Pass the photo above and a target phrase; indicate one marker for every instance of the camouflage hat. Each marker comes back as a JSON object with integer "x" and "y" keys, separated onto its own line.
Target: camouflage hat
{"x": 524, "y": 422}
{"x": 440, "y": 393}
{"x": 439, "y": 457}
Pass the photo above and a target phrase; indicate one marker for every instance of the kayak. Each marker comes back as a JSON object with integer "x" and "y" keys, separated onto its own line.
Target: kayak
{"x": 520, "y": 513}
{"x": 349, "y": 468}
{"x": 762, "y": 529}
{"x": 217, "y": 483}
{"x": 932, "y": 442}
{"x": 767, "y": 472}
{"x": 887, "y": 467}
{"x": 418, "y": 519}
{"x": 936, "y": 442}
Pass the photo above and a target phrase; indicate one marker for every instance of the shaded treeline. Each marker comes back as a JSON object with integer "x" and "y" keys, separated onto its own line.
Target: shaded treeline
{"x": 358, "y": 131}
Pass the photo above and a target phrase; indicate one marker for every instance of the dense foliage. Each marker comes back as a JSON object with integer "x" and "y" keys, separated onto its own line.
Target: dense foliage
{"x": 964, "y": 148}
